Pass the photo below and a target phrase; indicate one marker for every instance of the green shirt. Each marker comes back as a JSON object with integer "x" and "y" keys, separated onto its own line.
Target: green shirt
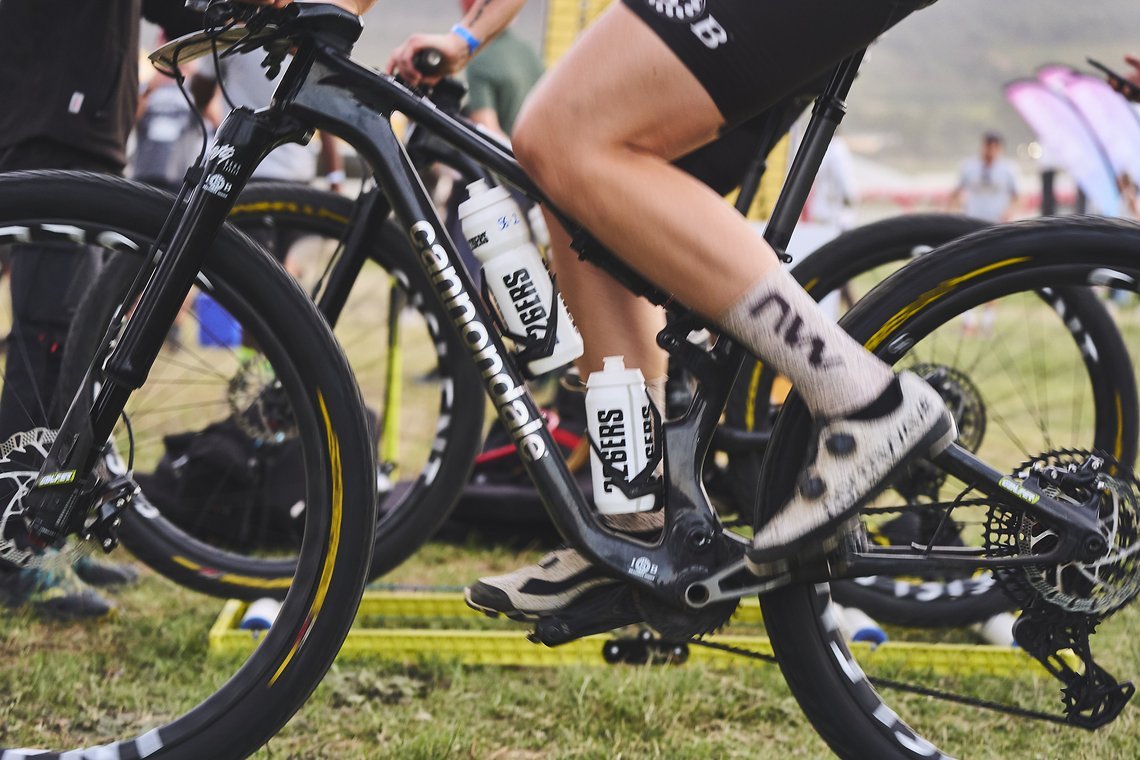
{"x": 501, "y": 75}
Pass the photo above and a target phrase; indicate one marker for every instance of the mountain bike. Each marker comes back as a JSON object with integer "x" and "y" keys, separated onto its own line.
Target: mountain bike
{"x": 1048, "y": 535}
{"x": 430, "y": 415}
{"x": 423, "y": 421}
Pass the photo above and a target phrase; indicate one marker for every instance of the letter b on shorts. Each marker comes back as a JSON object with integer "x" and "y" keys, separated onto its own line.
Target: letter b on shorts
{"x": 711, "y": 34}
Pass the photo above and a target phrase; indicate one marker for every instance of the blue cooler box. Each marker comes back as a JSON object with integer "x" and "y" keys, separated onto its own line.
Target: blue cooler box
{"x": 215, "y": 325}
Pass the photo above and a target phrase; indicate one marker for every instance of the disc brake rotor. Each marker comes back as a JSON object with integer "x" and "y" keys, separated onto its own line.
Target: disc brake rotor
{"x": 20, "y": 459}
{"x": 964, "y": 400}
{"x": 258, "y": 404}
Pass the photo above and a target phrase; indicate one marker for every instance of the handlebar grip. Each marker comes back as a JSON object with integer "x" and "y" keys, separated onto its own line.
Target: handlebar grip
{"x": 428, "y": 61}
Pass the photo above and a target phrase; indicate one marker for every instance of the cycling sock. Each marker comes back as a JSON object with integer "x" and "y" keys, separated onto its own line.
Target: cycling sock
{"x": 778, "y": 321}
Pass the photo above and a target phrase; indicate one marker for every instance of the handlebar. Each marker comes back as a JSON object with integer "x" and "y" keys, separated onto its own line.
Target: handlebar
{"x": 428, "y": 61}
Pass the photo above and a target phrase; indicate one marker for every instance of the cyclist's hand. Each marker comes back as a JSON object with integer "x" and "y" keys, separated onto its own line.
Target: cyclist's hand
{"x": 452, "y": 47}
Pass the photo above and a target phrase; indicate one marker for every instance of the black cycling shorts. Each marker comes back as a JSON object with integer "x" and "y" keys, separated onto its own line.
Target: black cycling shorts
{"x": 747, "y": 54}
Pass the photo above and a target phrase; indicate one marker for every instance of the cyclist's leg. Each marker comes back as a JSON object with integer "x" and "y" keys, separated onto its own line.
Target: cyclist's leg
{"x": 628, "y": 326}
{"x": 600, "y": 144}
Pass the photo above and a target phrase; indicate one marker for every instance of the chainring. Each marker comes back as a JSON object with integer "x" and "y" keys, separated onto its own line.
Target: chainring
{"x": 1093, "y": 589}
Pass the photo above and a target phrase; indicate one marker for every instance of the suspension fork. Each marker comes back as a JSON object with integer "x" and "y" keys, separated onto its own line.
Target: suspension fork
{"x": 57, "y": 503}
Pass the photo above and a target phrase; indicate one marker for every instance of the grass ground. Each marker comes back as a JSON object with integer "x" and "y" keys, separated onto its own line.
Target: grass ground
{"x": 63, "y": 683}
{"x": 151, "y": 659}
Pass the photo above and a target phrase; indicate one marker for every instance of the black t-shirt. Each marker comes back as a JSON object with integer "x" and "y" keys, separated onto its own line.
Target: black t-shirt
{"x": 69, "y": 72}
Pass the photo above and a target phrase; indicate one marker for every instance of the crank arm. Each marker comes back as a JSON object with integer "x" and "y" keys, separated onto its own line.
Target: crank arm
{"x": 737, "y": 580}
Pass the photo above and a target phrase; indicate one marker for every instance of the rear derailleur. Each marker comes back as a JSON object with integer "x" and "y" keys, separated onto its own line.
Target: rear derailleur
{"x": 1093, "y": 697}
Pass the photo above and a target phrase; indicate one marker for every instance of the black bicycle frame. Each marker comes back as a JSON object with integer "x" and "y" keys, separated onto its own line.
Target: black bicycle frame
{"x": 323, "y": 89}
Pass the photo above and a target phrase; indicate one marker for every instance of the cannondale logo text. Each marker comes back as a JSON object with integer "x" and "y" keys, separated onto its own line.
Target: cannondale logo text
{"x": 679, "y": 10}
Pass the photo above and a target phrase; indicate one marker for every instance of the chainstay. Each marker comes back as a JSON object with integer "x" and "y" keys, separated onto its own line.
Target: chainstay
{"x": 890, "y": 683}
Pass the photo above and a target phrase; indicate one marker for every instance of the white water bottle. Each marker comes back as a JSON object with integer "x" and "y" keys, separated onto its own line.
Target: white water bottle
{"x": 515, "y": 272}
{"x": 620, "y": 424}
{"x": 998, "y": 630}
{"x": 858, "y": 625}
{"x": 260, "y": 615}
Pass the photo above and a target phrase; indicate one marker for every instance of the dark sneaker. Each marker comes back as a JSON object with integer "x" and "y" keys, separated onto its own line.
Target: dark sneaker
{"x": 55, "y": 592}
{"x": 95, "y": 572}
{"x": 855, "y": 456}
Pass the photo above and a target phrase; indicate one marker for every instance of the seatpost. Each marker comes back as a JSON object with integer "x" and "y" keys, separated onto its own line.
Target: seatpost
{"x": 828, "y": 112}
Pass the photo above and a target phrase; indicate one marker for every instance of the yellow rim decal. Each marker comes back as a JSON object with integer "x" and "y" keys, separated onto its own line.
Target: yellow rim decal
{"x": 811, "y": 284}
{"x": 334, "y": 541}
{"x": 750, "y": 403}
{"x": 265, "y": 207}
{"x": 1118, "y": 451}
{"x": 237, "y": 580}
{"x": 930, "y": 297}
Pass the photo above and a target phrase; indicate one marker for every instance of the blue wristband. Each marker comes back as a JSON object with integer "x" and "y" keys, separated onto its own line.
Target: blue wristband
{"x": 465, "y": 34}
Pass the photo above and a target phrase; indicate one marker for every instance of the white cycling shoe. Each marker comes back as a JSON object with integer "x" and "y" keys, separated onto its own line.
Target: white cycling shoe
{"x": 854, "y": 458}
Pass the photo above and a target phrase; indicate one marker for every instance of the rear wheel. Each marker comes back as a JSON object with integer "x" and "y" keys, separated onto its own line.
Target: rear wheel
{"x": 137, "y": 692}
{"x": 1091, "y": 404}
{"x": 919, "y": 317}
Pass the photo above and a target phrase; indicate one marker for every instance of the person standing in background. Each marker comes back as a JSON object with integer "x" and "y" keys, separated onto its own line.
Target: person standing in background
{"x": 987, "y": 190}
{"x": 1134, "y": 75}
{"x": 499, "y": 78}
{"x": 832, "y": 199}
{"x": 69, "y": 89}
{"x": 987, "y": 183}
{"x": 167, "y": 136}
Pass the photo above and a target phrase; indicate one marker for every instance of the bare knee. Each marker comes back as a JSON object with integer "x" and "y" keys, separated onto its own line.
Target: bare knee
{"x": 545, "y": 153}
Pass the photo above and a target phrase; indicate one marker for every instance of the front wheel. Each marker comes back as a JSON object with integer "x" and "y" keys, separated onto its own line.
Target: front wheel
{"x": 227, "y": 503}
{"x": 300, "y": 390}
{"x": 921, "y": 316}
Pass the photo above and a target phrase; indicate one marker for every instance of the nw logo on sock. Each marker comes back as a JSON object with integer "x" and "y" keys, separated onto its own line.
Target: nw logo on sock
{"x": 790, "y": 327}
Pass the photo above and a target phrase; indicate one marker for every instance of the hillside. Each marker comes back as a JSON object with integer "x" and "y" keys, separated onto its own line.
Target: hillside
{"x": 934, "y": 83}
{"x": 927, "y": 89}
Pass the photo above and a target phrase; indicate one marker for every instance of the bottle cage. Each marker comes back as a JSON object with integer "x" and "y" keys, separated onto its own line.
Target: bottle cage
{"x": 644, "y": 482}
{"x": 531, "y": 349}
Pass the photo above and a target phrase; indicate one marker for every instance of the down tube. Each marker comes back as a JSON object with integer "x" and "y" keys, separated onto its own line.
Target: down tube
{"x": 325, "y": 106}
{"x": 372, "y": 134}
{"x": 505, "y": 385}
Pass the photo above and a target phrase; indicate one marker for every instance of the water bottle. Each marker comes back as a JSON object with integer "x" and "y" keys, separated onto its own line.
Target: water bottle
{"x": 260, "y": 615}
{"x": 620, "y": 425}
{"x": 998, "y": 630}
{"x": 515, "y": 272}
{"x": 858, "y": 625}
{"x": 539, "y": 232}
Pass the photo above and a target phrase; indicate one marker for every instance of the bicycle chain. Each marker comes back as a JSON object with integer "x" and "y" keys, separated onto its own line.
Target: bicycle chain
{"x": 890, "y": 683}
